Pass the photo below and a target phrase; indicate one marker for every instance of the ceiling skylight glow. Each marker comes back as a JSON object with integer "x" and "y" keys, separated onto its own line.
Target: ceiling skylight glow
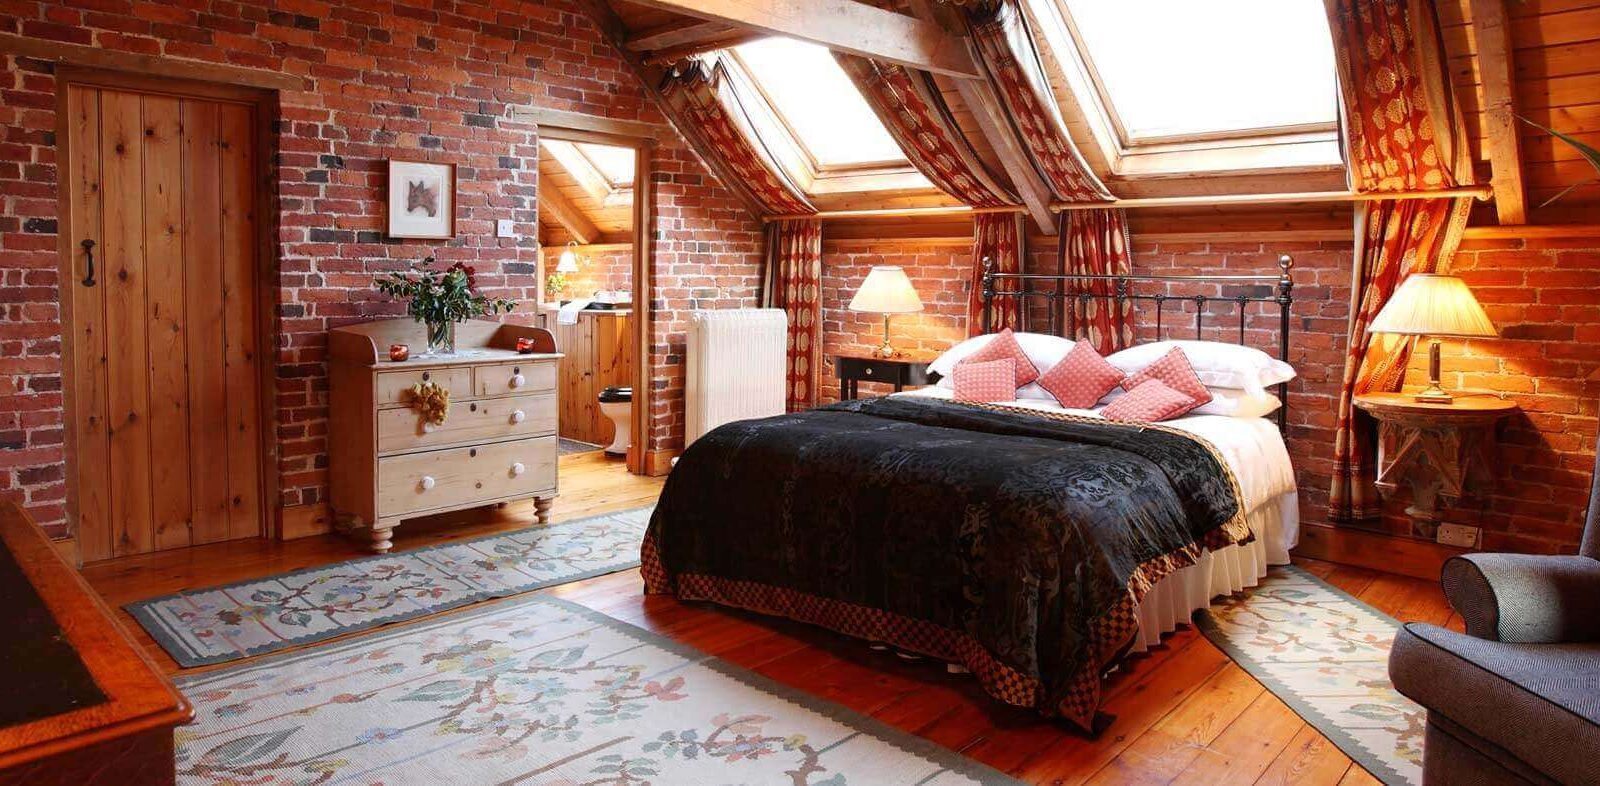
{"x": 816, "y": 100}
{"x": 1174, "y": 68}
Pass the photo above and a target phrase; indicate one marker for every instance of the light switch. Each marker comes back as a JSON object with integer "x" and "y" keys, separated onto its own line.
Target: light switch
{"x": 505, "y": 228}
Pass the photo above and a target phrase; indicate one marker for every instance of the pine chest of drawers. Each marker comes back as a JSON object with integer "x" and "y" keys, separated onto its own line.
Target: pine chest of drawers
{"x": 497, "y": 443}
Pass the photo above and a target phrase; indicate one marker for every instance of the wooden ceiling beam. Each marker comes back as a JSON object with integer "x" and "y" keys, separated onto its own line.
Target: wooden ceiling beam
{"x": 1502, "y": 143}
{"x": 563, "y": 212}
{"x": 674, "y": 34}
{"x": 726, "y": 40}
{"x": 616, "y": 33}
{"x": 845, "y": 25}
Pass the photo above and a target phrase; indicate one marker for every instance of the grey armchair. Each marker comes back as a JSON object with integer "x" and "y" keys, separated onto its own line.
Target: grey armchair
{"x": 1516, "y": 699}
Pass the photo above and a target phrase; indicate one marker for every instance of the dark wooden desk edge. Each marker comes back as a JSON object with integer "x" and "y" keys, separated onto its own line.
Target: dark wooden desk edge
{"x": 138, "y": 702}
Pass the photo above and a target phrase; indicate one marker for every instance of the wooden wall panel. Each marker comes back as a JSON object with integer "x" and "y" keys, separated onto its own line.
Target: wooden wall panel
{"x": 203, "y": 287}
{"x": 236, "y": 126}
{"x": 127, "y": 371}
{"x": 92, "y": 463}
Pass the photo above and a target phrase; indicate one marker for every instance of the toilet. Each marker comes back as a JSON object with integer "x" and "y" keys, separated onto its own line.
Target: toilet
{"x": 617, "y": 403}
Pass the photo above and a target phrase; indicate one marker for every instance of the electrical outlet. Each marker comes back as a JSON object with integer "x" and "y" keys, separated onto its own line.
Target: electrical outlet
{"x": 505, "y": 228}
{"x": 1459, "y": 535}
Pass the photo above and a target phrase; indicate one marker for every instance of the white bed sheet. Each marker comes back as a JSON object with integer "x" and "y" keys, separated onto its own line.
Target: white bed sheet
{"x": 1254, "y": 449}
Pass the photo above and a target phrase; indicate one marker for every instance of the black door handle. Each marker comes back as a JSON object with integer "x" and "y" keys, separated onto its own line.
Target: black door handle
{"x": 88, "y": 251}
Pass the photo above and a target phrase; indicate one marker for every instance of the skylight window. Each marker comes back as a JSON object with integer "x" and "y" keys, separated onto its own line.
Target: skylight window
{"x": 614, "y": 163}
{"x": 817, "y": 103}
{"x": 1177, "y": 69}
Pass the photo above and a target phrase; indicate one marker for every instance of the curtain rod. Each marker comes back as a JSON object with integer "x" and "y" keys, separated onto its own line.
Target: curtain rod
{"x": 1477, "y": 192}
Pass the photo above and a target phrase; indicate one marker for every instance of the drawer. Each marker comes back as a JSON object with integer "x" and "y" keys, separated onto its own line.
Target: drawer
{"x": 507, "y": 379}
{"x": 454, "y": 477}
{"x": 486, "y": 420}
{"x": 391, "y": 389}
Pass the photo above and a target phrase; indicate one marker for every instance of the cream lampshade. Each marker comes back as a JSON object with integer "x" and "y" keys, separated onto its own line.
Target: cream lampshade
{"x": 1428, "y": 304}
{"x": 886, "y": 291}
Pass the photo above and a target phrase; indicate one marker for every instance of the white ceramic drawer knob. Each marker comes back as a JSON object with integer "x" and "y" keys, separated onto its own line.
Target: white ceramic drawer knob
{"x": 427, "y": 482}
{"x": 518, "y": 469}
{"x": 516, "y": 380}
{"x": 518, "y": 416}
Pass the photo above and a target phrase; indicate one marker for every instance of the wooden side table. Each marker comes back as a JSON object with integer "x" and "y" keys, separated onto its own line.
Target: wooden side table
{"x": 1439, "y": 450}
{"x": 899, "y": 372}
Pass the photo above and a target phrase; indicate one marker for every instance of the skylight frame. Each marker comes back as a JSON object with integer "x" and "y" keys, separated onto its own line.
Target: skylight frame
{"x": 571, "y": 157}
{"x": 1130, "y": 144}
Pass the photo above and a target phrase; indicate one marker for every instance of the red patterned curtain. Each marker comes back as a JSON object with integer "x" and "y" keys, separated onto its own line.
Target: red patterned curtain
{"x": 793, "y": 282}
{"x": 1404, "y": 133}
{"x": 1095, "y": 242}
{"x": 914, "y": 111}
{"x": 705, "y": 95}
{"x": 997, "y": 240}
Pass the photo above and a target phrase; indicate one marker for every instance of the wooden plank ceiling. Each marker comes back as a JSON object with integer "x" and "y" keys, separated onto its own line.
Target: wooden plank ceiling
{"x": 1545, "y": 67}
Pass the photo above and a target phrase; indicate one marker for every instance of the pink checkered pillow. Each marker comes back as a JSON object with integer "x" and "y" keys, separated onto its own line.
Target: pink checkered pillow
{"x": 1004, "y": 345}
{"x": 1081, "y": 378}
{"x": 985, "y": 381}
{"x": 1150, "y": 401}
{"x": 1174, "y": 369}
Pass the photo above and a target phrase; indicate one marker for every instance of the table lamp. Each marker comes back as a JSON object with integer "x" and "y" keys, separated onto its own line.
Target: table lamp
{"x": 886, "y": 291}
{"x": 568, "y": 263}
{"x": 1432, "y": 305}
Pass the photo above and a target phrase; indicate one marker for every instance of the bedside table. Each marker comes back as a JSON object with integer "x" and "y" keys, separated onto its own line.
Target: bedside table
{"x": 894, "y": 371}
{"x": 1439, "y": 450}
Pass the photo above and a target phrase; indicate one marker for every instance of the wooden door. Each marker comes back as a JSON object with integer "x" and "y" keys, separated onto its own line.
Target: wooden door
{"x": 165, "y": 400}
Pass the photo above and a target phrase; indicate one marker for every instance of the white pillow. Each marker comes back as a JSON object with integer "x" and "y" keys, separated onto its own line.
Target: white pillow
{"x": 1218, "y": 365}
{"x": 1238, "y": 403}
{"x": 1045, "y": 351}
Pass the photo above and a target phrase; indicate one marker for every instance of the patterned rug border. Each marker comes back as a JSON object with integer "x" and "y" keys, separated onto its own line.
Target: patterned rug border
{"x": 174, "y": 647}
{"x": 1341, "y": 739}
{"x": 906, "y": 741}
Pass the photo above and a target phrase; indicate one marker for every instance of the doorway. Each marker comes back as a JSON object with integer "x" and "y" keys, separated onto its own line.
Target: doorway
{"x": 162, "y": 312}
{"x": 593, "y": 211}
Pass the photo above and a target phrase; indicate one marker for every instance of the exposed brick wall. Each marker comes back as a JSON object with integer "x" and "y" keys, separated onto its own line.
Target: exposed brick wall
{"x": 1543, "y": 294}
{"x": 939, "y": 270}
{"x": 599, "y": 268}
{"x": 388, "y": 80}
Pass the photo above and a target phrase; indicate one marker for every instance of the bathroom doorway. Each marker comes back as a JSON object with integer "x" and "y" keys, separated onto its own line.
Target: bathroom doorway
{"x": 589, "y": 239}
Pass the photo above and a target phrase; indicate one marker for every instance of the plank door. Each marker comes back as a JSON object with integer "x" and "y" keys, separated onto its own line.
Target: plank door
{"x": 166, "y": 399}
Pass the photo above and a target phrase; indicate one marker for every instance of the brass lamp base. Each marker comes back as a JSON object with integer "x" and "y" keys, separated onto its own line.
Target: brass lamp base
{"x": 1433, "y": 393}
{"x": 884, "y": 350}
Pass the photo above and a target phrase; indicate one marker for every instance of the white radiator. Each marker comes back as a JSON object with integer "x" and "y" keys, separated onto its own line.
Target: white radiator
{"x": 735, "y": 367}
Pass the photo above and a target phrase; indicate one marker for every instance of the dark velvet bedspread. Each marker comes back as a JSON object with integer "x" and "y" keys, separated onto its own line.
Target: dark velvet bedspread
{"x": 1016, "y": 544}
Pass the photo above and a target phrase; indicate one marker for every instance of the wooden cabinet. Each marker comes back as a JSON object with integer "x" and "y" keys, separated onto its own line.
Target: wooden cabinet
{"x": 80, "y": 703}
{"x": 598, "y": 355}
{"x": 498, "y": 442}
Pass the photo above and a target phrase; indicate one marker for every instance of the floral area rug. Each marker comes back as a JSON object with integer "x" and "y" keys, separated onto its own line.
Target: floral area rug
{"x": 1325, "y": 654}
{"x": 537, "y": 691}
{"x": 220, "y": 624}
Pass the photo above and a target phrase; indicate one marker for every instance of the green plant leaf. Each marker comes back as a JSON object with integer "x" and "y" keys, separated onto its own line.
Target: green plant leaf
{"x": 1588, "y": 152}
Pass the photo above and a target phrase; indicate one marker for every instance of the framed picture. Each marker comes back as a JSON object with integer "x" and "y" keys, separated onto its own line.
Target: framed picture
{"x": 422, "y": 200}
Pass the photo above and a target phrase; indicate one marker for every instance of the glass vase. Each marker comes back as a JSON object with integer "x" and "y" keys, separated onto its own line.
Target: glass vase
{"x": 441, "y": 338}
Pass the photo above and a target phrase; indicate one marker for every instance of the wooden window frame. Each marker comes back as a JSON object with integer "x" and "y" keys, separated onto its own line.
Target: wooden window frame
{"x": 264, "y": 101}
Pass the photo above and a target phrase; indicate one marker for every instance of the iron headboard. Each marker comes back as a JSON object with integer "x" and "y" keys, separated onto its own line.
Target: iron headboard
{"x": 1274, "y": 289}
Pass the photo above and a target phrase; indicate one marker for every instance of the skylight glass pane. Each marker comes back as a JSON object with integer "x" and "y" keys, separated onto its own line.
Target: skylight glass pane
{"x": 818, "y": 102}
{"x": 615, "y": 163}
{"x": 1183, "y": 67}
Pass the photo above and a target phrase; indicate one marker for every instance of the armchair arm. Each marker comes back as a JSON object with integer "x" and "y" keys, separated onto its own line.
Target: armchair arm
{"x": 1525, "y": 598}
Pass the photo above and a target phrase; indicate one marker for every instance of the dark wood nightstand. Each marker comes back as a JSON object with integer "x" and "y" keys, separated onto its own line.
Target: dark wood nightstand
{"x": 899, "y": 372}
{"x": 1439, "y": 450}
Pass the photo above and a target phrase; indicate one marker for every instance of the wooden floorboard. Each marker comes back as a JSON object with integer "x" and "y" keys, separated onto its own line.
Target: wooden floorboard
{"x": 1184, "y": 713}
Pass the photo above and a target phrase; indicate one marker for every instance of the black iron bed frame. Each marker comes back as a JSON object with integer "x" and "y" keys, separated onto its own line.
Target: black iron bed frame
{"x": 1281, "y": 292}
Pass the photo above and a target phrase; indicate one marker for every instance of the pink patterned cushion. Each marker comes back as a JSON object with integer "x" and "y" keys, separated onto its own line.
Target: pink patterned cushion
{"x": 1004, "y": 345}
{"x": 985, "y": 381}
{"x": 1150, "y": 401}
{"x": 1174, "y": 369}
{"x": 1081, "y": 378}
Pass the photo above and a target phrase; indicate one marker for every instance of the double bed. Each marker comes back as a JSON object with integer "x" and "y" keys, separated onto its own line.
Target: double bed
{"x": 1027, "y": 543}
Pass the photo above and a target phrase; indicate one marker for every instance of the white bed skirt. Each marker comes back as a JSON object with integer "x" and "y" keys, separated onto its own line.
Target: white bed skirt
{"x": 1177, "y": 597}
